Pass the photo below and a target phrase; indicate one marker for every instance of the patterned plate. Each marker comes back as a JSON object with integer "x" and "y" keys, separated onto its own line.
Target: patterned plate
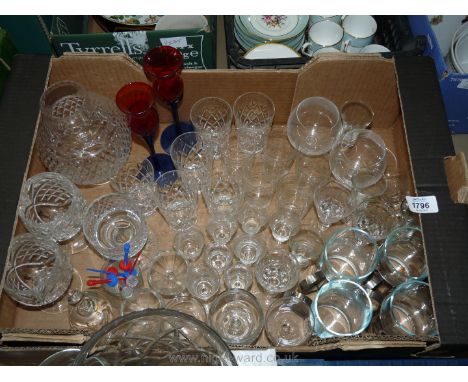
{"x": 144, "y": 20}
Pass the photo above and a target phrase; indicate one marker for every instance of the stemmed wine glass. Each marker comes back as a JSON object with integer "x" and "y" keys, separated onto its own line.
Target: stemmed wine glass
{"x": 162, "y": 66}
{"x": 136, "y": 100}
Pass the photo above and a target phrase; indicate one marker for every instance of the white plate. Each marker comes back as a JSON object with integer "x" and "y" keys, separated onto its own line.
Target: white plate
{"x": 182, "y": 22}
{"x": 132, "y": 19}
{"x": 269, "y": 51}
{"x": 287, "y": 28}
{"x": 274, "y": 26}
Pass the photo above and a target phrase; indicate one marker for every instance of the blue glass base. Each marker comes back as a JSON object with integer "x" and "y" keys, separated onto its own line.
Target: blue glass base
{"x": 169, "y": 134}
{"x": 162, "y": 163}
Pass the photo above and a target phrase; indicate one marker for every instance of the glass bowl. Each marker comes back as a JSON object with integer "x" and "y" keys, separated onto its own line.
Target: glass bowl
{"x": 112, "y": 220}
{"x": 37, "y": 272}
{"x": 156, "y": 337}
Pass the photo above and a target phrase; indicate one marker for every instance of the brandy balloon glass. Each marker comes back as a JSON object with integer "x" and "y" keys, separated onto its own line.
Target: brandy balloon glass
{"x": 162, "y": 66}
{"x": 136, "y": 101}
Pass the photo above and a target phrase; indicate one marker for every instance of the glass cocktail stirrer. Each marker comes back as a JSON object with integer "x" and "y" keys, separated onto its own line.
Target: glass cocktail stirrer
{"x": 162, "y": 66}
{"x": 136, "y": 100}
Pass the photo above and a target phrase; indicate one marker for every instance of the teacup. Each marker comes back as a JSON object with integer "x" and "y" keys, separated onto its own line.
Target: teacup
{"x": 323, "y": 34}
{"x": 328, "y": 49}
{"x": 374, "y": 48}
{"x": 315, "y": 19}
{"x": 359, "y": 31}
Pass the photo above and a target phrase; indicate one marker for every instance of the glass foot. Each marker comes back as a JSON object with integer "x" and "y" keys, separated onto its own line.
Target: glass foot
{"x": 169, "y": 134}
{"x": 61, "y": 306}
{"x": 162, "y": 163}
{"x": 74, "y": 245}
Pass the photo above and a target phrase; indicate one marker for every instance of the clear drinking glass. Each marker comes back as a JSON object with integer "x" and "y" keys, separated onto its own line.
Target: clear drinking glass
{"x": 403, "y": 256}
{"x": 249, "y": 248}
{"x": 223, "y": 193}
{"x": 356, "y": 115}
{"x": 284, "y": 224}
{"x": 189, "y": 244}
{"x": 37, "y": 272}
{"x": 252, "y": 219}
{"x": 314, "y": 125}
{"x": 218, "y": 257}
{"x": 212, "y": 117}
{"x": 238, "y": 276}
{"x": 177, "y": 200}
{"x": 259, "y": 184}
{"x": 221, "y": 228}
{"x": 306, "y": 246}
{"x": 349, "y": 253}
{"x": 408, "y": 311}
{"x": 359, "y": 158}
{"x": 314, "y": 169}
{"x": 193, "y": 153}
{"x": 88, "y": 310}
{"x": 341, "y": 308}
{"x": 277, "y": 271}
{"x": 253, "y": 113}
{"x": 374, "y": 218}
{"x": 188, "y": 305}
{"x": 203, "y": 282}
{"x": 83, "y": 136}
{"x": 141, "y": 299}
{"x": 333, "y": 202}
{"x": 112, "y": 220}
{"x": 237, "y": 317}
{"x": 168, "y": 274}
{"x": 296, "y": 193}
{"x": 136, "y": 179}
{"x": 51, "y": 205}
{"x": 279, "y": 154}
{"x": 287, "y": 322}
{"x": 235, "y": 160}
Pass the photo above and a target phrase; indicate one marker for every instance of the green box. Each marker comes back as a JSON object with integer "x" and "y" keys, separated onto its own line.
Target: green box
{"x": 69, "y": 34}
{"x": 30, "y": 34}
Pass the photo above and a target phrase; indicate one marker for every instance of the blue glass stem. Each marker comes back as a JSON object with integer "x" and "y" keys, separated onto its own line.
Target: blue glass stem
{"x": 175, "y": 117}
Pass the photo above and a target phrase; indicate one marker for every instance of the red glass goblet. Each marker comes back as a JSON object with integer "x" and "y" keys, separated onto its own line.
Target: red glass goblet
{"x": 136, "y": 101}
{"x": 162, "y": 66}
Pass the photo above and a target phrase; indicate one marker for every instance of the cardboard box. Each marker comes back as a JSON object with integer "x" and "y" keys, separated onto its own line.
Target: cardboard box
{"x": 388, "y": 86}
{"x": 454, "y": 85}
{"x": 457, "y": 177}
{"x": 81, "y": 34}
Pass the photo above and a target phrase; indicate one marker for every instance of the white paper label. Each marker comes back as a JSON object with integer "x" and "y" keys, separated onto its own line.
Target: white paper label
{"x": 422, "y": 204}
{"x": 175, "y": 42}
{"x": 263, "y": 357}
{"x": 463, "y": 84}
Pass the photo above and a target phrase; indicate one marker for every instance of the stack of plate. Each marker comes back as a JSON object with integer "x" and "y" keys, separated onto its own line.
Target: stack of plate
{"x": 459, "y": 49}
{"x": 251, "y": 31}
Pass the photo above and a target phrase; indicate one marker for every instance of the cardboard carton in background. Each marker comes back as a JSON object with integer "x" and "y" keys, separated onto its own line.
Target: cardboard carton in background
{"x": 454, "y": 85}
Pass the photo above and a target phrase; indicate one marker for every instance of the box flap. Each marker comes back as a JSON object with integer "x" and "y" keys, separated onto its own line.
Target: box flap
{"x": 368, "y": 79}
{"x": 457, "y": 177}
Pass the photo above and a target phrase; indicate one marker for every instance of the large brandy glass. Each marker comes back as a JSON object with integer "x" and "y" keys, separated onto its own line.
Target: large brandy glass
{"x": 162, "y": 66}
{"x": 82, "y": 135}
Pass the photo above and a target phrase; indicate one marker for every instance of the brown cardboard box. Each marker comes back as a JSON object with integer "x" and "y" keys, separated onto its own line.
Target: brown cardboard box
{"x": 337, "y": 77}
{"x": 457, "y": 177}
